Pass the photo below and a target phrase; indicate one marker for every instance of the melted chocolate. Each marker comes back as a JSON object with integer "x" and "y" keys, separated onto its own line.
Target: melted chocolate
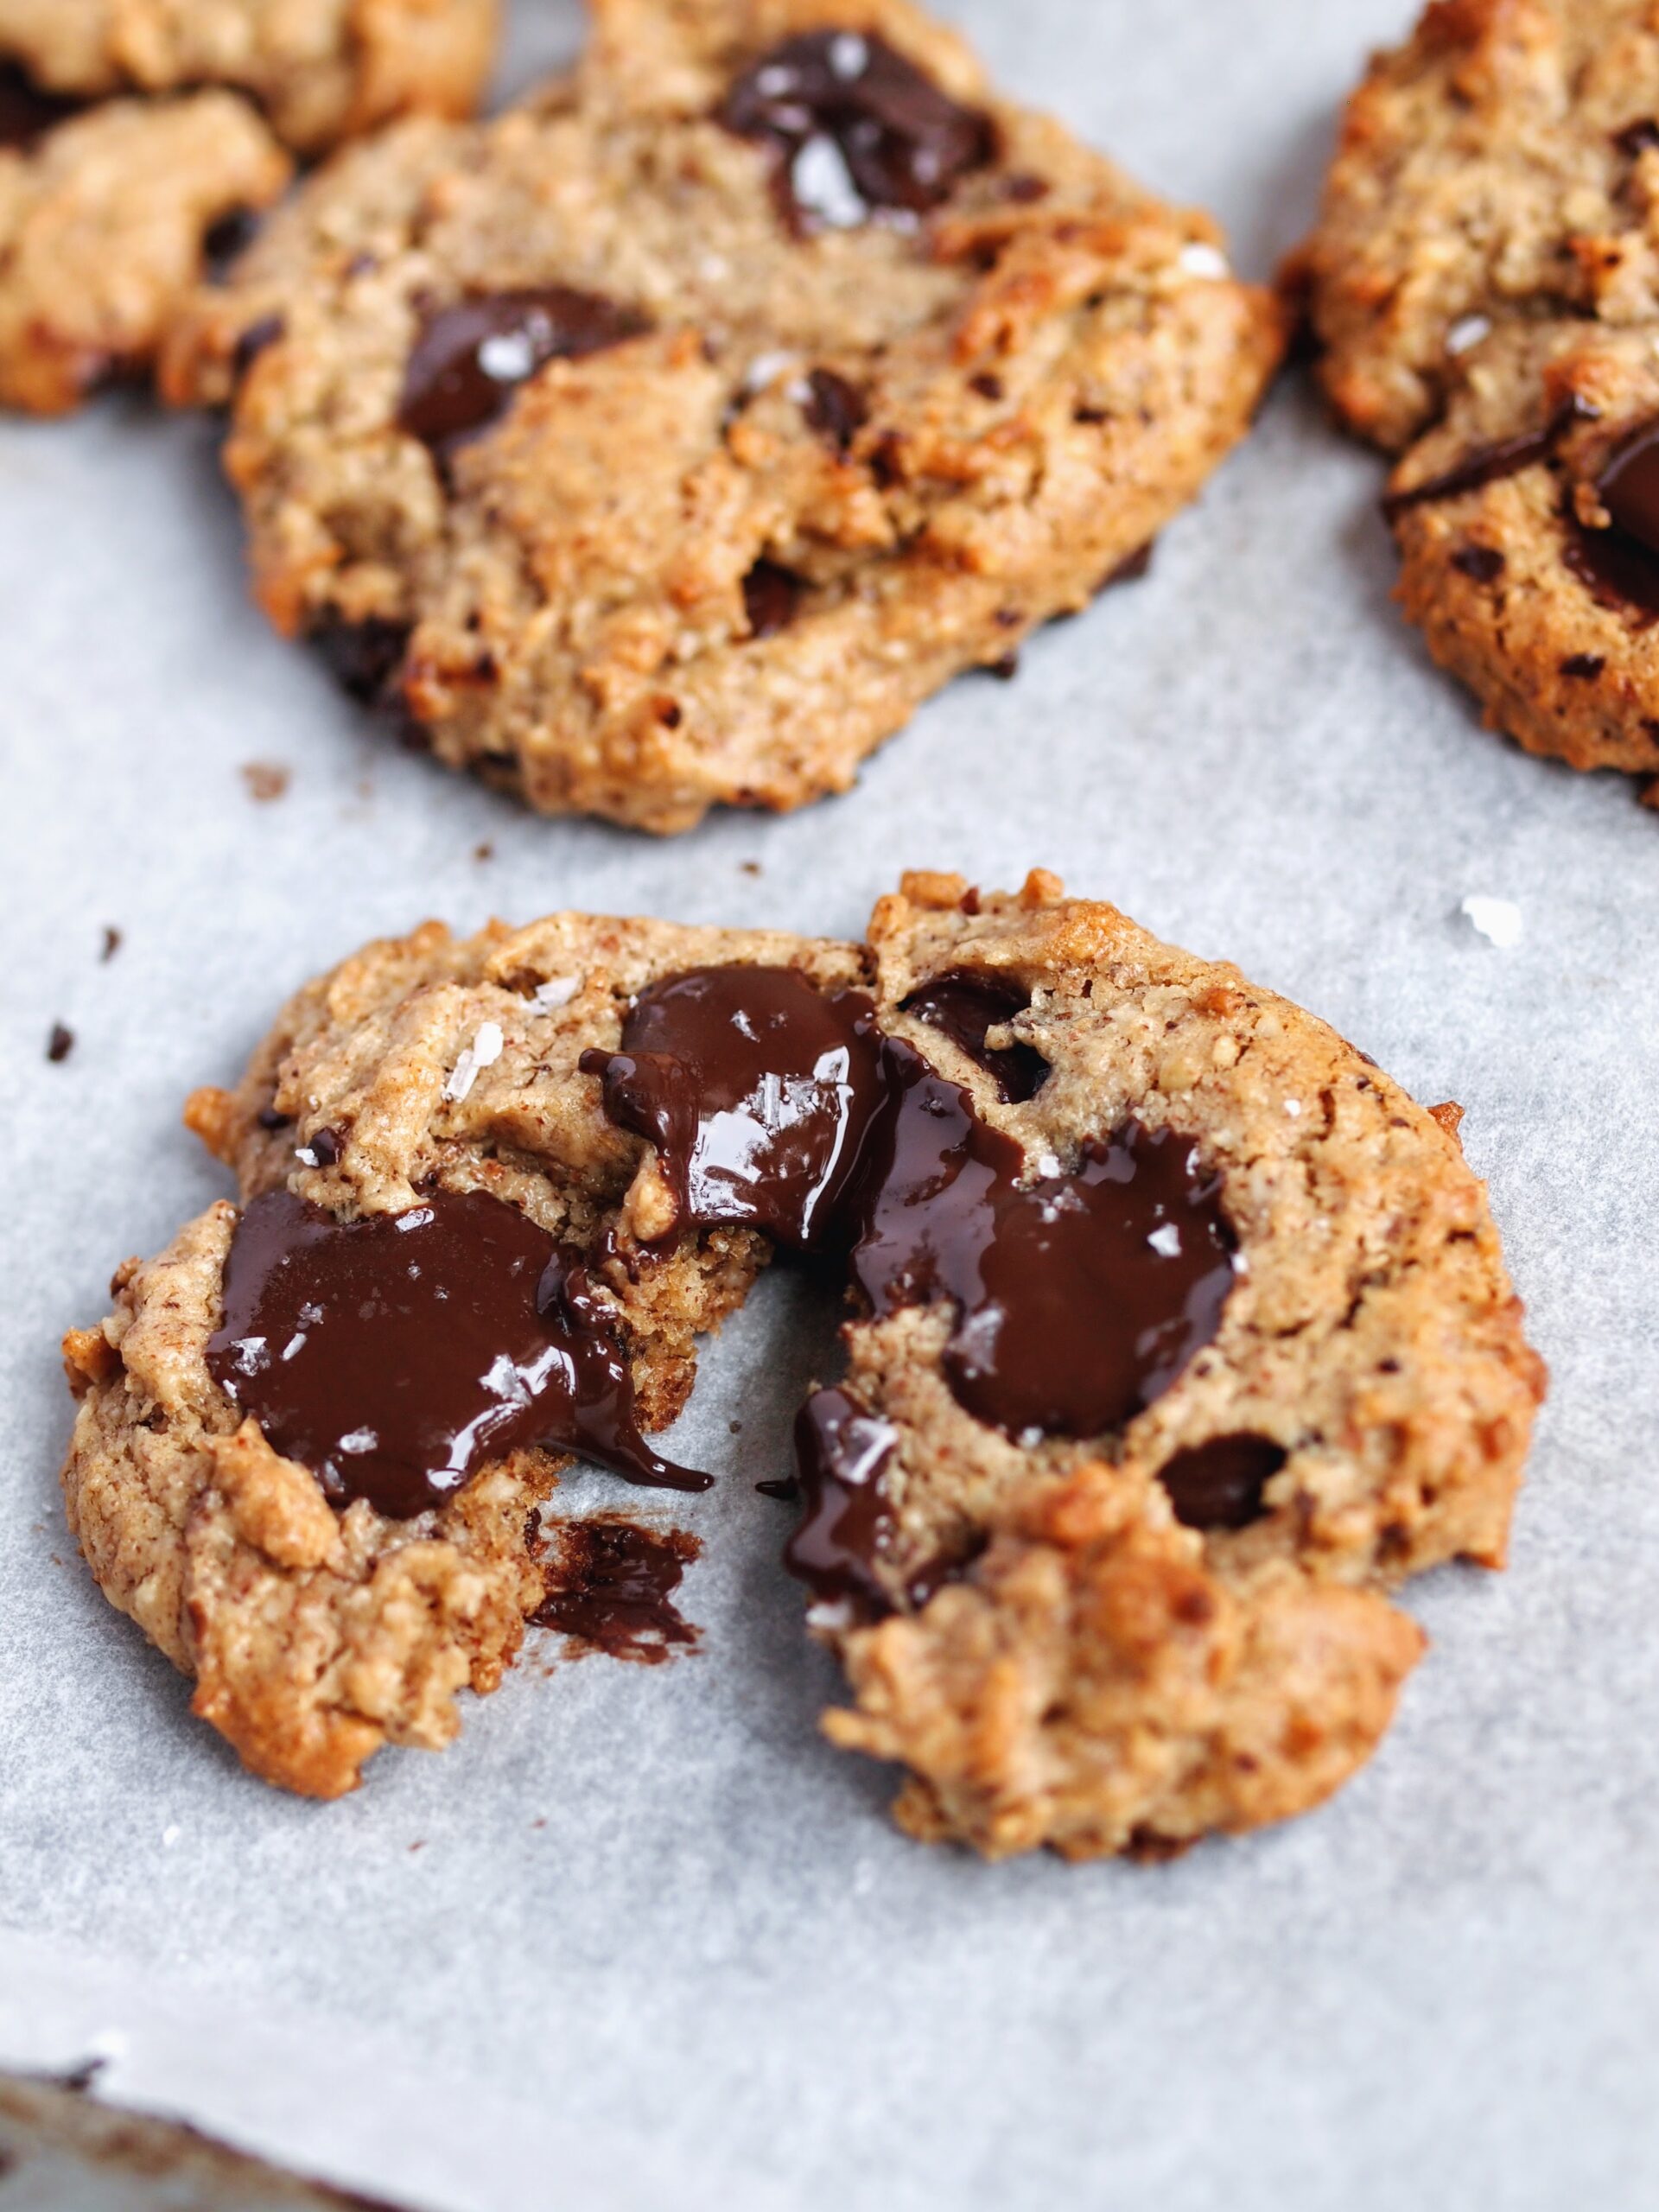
{"x": 771, "y": 597}
{"x": 841, "y": 1453}
{"x": 469, "y": 359}
{"x": 1620, "y": 564}
{"x": 25, "y": 113}
{"x": 759, "y": 1093}
{"x": 394, "y": 1354}
{"x": 1219, "y": 1484}
{"x": 855, "y": 127}
{"x": 611, "y": 1587}
{"x": 1080, "y": 1298}
{"x": 1487, "y": 464}
{"x": 967, "y": 1003}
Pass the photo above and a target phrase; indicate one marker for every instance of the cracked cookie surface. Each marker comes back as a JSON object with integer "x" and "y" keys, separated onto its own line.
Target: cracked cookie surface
{"x": 1484, "y": 287}
{"x": 1095, "y": 1642}
{"x": 664, "y": 442}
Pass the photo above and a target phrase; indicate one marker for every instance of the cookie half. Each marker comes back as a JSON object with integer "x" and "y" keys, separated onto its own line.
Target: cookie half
{"x": 1180, "y": 1335}
{"x": 664, "y": 442}
{"x": 1484, "y": 290}
{"x": 139, "y": 142}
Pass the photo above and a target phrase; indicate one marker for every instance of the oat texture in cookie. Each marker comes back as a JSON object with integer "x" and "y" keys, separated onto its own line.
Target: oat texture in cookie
{"x": 1484, "y": 286}
{"x": 1179, "y": 1335}
{"x": 139, "y": 142}
{"x": 663, "y": 442}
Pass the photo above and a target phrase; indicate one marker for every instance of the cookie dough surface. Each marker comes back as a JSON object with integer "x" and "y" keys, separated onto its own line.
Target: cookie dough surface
{"x": 1487, "y": 257}
{"x": 1056, "y": 1655}
{"x": 319, "y": 70}
{"x": 822, "y": 455}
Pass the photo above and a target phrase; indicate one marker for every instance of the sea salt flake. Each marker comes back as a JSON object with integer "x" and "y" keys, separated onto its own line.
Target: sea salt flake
{"x": 1468, "y": 330}
{"x": 1198, "y": 258}
{"x": 1498, "y": 920}
{"x": 1166, "y": 1241}
{"x": 557, "y": 991}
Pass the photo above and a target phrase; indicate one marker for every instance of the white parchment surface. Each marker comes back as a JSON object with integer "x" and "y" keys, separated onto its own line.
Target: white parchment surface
{"x": 657, "y": 1944}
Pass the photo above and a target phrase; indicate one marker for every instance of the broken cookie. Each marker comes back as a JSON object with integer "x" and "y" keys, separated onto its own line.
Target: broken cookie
{"x": 1180, "y": 1335}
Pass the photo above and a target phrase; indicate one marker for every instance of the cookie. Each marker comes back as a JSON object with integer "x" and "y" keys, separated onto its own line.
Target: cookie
{"x": 319, "y": 73}
{"x": 139, "y": 142}
{"x": 664, "y": 442}
{"x": 1179, "y": 1336}
{"x": 105, "y": 217}
{"x": 1483, "y": 289}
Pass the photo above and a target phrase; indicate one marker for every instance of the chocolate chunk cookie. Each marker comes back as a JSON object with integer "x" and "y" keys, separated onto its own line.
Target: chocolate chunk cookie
{"x": 1180, "y": 1335}
{"x": 1484, "y": 288}
{"x": 139, "y": 142}
{"x": 664, "y": 442}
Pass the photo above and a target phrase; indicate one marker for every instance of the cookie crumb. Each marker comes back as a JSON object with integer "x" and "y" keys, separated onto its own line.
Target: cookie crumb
{"x": 1497, "y": 919}
{"x": 751, "y": 867}
{"x": 484, "y": 852}
{"x": 61, "y": 1043}
{"x": 266, "y": 780}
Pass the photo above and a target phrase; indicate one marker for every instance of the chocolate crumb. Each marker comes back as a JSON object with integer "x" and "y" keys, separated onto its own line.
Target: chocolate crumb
{"x": 60, "y": 1043}
{"x": 484, "y": 852}
{"x": 611, "y": 1588}
{"x": 111, "y": 944}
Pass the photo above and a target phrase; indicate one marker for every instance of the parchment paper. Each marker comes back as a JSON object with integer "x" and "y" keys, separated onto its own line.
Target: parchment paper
{"x": 657, "y": 1944}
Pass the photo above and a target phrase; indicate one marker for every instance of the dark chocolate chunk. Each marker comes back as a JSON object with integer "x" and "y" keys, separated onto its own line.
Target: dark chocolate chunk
{"x": 610, "y": 1588}
{"x": 1487, "y": 464}
{"x": 469, "y": 359}
{"x": 855, "y": 128}
{"x": 771, "y": 598}
{"x": 253, "y": 341}
{"x": 759, "y": 1093}
{"x": 1219, "y": 1484}
{"x": 967, "y": 1003}
{"x": 1584, "y": 667}
{"x": 396, "y": 1354}
{"x": 25, "y": 113}
{"x": 841, "y": 1453}
{"x": 1004, "y": 668}
{"x": 836, "y": 409}
{"x": 362, "y": 656}
{"x": 1620, "y": 564}
{"x": 269, "y": 1118}
{"x": 1131, "y": 568}
{"x": 1638, "y": 138}
{"x": 232, "y": 235}
{"x": 1080, "y": 1298}
{"x": 60, "y": 1043}
{"x": 326, "y": 1146}
{"x": 1483, "y": 564}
